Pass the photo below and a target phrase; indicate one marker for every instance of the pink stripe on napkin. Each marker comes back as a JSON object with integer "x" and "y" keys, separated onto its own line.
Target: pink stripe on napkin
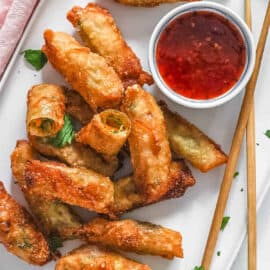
{"x": 14, "y": 16}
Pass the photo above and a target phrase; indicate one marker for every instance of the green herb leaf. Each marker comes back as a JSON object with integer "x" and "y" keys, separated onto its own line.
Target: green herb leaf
{"x": 235, "y": 174}
{"x": 36, "y": 58}
{"x": 65, "y": 135}
{"x": 241, "y": 189}
{"x": 224, "y": 223}
{"x": 54, "y": 243}
{"x": 198, "y": 268}
{"x": 218, "y": 253}
{"x": 267, "y": 133}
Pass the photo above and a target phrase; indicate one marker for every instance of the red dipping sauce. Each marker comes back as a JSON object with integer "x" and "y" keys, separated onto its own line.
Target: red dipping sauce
{"x": 201, "y": 55}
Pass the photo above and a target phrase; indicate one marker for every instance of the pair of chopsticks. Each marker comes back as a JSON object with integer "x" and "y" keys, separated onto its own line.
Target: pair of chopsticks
{"x": 251, "y": 171}
{"x": 245, "y": 120}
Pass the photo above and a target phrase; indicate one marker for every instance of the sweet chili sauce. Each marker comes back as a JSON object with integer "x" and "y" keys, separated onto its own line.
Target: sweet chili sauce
{"x": 200, "y": 55}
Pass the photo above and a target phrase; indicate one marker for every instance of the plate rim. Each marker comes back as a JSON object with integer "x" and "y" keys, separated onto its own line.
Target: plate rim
{"x": 6, "y": 75}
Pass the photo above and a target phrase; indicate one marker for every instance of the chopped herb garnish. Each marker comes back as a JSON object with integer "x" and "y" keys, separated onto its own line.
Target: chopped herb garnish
{"x": 224, "y": 223}
{"x": 241, "y": 189}
{"x": 218, "y": 253}
{"x": 65, "y": 135}
{"x": 24, "y": 245}
{"x": 54, "y": 243}
{"x": 235, "y": 174}
{"x": 257, "y": 144}
{"x": 267, "y": 133}
{"x": 36, "y": 58}
{"x": 198, "y": 268}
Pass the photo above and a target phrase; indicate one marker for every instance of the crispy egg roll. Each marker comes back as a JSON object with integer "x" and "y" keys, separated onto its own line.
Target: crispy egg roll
{"x": 19, "y": 234}
{"x": 101, "y": 34}
{"x": 51, "y": 215}
{"x": 75, "y": 186}
{"x": 189, "y": 142}
{"x": 97, "y": 258}
{"x": 77, "y": 155}
{"x": 148, "y": 143}
{"x": 149, "y": 3}
{"x": 77, "y": 107}
{"x": 133, "y": 236}
{"x": 127, "y": 198}
{"x": 45, "y": 110}
{"x": 87, "y": 72}
{"x": 107, "y": 132}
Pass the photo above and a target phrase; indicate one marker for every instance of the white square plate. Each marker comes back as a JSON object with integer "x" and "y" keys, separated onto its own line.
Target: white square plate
{"x": 191, "y": 214}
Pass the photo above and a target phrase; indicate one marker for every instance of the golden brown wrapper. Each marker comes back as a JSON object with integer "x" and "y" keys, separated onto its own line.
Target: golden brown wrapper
{"x": 75, "y": 186}
{"x": 127, "y": 198}
{"x": 87, "y": 72}
{"x": 51, "y": 215}
{"x": 19, "y": 234}
{"x": 133, "y": 236}
{"x": 77, "y": 107}
{"x": 148, "y": 143}
{"x": 45, "y": 110}
{"x": 107, "y": 132}
{"x": 150, "y": 3}
{"x": 77, "y": 155}
{"x": 98, "y": 29}
{"x": 188, "y": 142}
{"x": 97, "y": 258}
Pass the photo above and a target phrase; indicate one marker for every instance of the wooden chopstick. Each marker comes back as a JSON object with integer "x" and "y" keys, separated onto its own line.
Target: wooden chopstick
{"x": 251, "y": 172}
{"x": 235, "y": 148}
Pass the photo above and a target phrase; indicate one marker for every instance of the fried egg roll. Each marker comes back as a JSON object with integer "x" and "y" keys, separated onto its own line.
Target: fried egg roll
{"x": 133, "y": 236}
{"x": 148, "y": 143}
{"x": 51, "y": 215}
{"x": 149, "y": 3}
{"x": 77, "y": 107}
{"x": 106, "y": 133}
{"x": 77, "y": 155}
{"x": 45, "y": 110}
{"x": 189, "y": 142}
{"x": 75, "y": 186}
{"x": 19, "y": 234}
{"x": 127, "y": 198}
{"x": 97, "y": 258}
{"x": 101, "y": 34}
{"x": 87, "y": 72}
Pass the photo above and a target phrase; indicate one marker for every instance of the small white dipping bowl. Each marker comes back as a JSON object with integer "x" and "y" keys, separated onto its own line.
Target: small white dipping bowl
{"x": 235, "y": 20}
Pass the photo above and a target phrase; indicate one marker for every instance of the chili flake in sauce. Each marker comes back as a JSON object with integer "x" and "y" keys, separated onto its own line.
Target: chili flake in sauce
{"x": 201, "y": 55}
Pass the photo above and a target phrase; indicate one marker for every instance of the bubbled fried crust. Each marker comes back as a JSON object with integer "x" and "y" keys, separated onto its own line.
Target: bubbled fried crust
{"x": 97, "y": 258}
{"x": 190, "y": 143}
{"x": 180, "y": 178}
{"x": 100, "y": 32}
{"x": 132, "y": 236}
{"x": 148, "y": 143}
{"x": 77, "y": 155}
{"x": 149, "y": 3}
{"x": 75, "y": 186}
{"x": 51, "y": 216}
{"x": 87, "y": 72}
{"x": 127, "y": 198}
{"x": 77, "y": 107}
{"x": 19, "y": 234}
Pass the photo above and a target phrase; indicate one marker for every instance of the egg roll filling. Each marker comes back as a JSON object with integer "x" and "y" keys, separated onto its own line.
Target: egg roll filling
{"x": 106, "y": 133}
{"x": 45, "y": 125}
{"x": 45, "y": 110}
{"x": 114, "y": 121}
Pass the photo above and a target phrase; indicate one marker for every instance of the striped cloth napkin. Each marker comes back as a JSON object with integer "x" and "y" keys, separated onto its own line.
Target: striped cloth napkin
{"x": 14, "y": 15}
